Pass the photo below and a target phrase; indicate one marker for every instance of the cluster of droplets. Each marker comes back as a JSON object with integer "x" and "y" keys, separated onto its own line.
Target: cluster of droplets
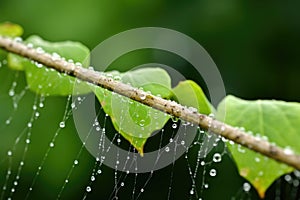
{"x": 205, "y": 169}
{"x": 27, "y": 141}
{"x": 208, "y": 166}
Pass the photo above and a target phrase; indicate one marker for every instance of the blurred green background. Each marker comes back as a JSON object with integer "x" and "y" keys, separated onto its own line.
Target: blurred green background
{"x": 254, "y": 44}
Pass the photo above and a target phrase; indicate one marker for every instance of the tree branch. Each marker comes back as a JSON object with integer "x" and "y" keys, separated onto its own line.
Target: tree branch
{"x": 167, "y": 106}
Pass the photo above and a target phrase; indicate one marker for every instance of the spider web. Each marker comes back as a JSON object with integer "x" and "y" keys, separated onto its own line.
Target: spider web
{"x": 42, "y": 156}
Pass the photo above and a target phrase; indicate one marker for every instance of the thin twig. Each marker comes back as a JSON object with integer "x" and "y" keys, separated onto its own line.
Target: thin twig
{"x": 170, "y": 107}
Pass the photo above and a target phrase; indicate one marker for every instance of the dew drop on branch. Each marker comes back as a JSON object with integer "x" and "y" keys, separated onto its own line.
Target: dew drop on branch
{"x": 142, "y": 96}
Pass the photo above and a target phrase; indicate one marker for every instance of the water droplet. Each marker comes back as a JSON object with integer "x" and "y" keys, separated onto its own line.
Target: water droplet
{"x": 192, "y": 109}
{"x": 41, "y": 105}
{"x": 174, "y": 125}
{"x": 287, "y": 178}
{"x": 223, "y": 128}
{"x": 192, "y": 191}
{"x": 7, "y": 121}
{"x": 51, "y": 144}
{"x": 122, "y": 184}
{"x": 92, "y": 178}
{"x": 18, "y": 39}
{"x": 288, "y": 151}
{"x": 76, "y": 162}
{"x": 55, "y": 56}
{"x": 78, "y": 64}
{"x": 241, "y": 149}
{"x": 117, "y": 78}
{"x": 88, "y": 189}
{"x": 202, "y": 163}
{"x": 206, "y": 185}
{"x": 37, "y": 114}
{"x": 99, "y": 171}
{"x": 73, "y": 105}
{"x": 246, "y": 187}
{"x": 66, "y": 181}
{"x": 62, "y": 125}
{"x": 142, "y": 122}
{"x": 39, "y": 65}
{"x": 182, "y": 142}
{"x": 217, "y": 157}
{"x": 296, "y": 183}
{"x": 211, "y": 115}
{"x": 118, "y": 140}
{"x": 143, "y": 96}
{"x": 167, "y": 149}
{"x": 30, "y": 45}
{"x": 213, "y": 172}
{"x": 29, "y": 125}
{"x": 257, "y": 159}
{"x": 142, "y": 190}
{"x": 27, "y": 141}
{"x": 297, "y": 173}
{"x": 9, "y": 153}
{"x": 11, "y": 92}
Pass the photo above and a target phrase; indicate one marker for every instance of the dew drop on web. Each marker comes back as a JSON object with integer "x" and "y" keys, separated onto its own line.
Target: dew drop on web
{"x": 217, "y": 157}
{"x": 213, "y": 172}
{"x": 246, "y": 187}
{"x": 62, "y": 125}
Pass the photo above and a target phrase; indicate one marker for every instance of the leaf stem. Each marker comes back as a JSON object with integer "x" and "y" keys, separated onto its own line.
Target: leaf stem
{"x": 167, "y": 106}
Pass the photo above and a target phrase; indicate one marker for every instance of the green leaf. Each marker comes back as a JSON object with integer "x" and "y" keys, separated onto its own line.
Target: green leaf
{"x": 190, "y": 94}
{"x": 135, "y": 121}
{"x": 47, "y": 81}
{"x": 277, "y": 121}
{"x": 10, "y": 29}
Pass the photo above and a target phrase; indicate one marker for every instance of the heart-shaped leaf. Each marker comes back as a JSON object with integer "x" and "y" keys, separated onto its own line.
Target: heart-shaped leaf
{"x": 276, "y": 121}
{"x": 47, "y": 81}
{"x": 10, "y": 29}
{"x": 190, "y": 94}
{"x": 135, "y": 121}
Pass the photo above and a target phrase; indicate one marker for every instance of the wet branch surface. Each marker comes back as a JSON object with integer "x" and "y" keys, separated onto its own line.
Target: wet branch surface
{"x": 167, "y": 106}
